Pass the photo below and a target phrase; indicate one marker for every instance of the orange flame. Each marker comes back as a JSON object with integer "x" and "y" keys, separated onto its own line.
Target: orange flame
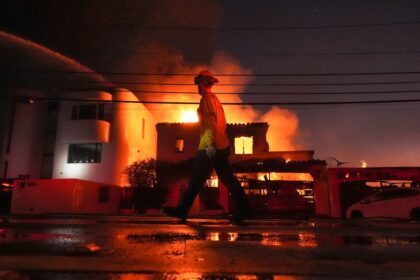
{"x": 189, "y": 116}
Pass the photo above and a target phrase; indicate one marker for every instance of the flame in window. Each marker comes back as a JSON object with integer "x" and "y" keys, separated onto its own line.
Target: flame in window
{"x": 243, "y": 145}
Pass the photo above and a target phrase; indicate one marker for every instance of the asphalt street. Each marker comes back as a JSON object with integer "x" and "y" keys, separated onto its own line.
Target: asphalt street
{"x": 157, "y": 247}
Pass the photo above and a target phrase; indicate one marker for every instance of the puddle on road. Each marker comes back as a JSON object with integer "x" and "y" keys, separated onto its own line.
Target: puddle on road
{"x": 58, "y": 240}
{"x": 301, "y": 239}
{"x": 54, "y": 242}
{"x": 55, "y": 236}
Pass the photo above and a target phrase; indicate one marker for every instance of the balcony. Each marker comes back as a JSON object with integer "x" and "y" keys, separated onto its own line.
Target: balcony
{"x": 85, "y": 131}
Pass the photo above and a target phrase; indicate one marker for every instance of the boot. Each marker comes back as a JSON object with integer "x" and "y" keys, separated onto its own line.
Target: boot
{"x": 238, "y": 217}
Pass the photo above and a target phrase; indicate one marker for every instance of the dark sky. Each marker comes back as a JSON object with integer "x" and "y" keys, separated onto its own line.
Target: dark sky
{"x": 263, "y": 37}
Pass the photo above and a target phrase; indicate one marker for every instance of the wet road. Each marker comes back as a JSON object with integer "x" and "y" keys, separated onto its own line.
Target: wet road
{"x": 133, "y": 247}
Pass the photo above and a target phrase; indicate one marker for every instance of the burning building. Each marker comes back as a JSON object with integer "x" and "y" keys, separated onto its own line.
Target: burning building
{"x": 54, "y": 137}
{"x": 275, "y": 182}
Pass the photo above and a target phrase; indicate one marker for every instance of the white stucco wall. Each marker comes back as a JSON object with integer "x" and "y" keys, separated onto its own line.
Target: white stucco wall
{"x": 26, "y": 146}
{"x": 126, "y": 142}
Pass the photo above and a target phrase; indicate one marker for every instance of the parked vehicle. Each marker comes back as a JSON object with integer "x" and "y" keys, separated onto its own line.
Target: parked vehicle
{"x": 403, "y": 203}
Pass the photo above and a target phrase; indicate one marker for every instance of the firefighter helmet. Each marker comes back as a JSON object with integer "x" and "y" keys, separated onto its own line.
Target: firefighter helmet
{"x": 207, "y": 77}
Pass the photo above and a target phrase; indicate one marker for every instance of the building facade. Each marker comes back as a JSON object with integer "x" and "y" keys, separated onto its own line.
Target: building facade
{"x": 94, "y": 138}
{"x": 274, "y": 181}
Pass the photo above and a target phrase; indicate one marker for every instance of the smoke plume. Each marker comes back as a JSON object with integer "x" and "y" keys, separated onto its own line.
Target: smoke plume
{"x": 283, "y": 124}
{"x": 190, "y": 54}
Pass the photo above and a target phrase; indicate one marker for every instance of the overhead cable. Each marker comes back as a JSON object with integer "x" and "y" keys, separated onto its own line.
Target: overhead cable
{"x": 216, "y": 92}
{"x": 32, "y": 99}
{"x": 219, "y": 84}
{"x": 225, "y": 28}
{"x": 270, "y": 54}
{"x": 217, "y": 74}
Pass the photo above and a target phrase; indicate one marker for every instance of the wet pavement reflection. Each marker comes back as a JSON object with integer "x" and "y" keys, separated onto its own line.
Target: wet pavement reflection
{"x": 160, "y": 248}
{"x": 301, "y": 239}
{"x": 64, "y": 240}
{"x": 156, "y": 276}
{"x": 269, "y": 239}
{"x": 21, "y": 242}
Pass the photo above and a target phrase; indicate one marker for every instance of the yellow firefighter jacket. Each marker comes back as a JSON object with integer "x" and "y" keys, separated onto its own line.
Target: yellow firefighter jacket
{"x": 213, "y": 122}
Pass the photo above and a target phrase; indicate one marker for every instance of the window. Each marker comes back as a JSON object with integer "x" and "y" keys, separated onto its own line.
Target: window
{"x": 103, "y": 195}
{"x": 84, "y": 153}
{"x": 88, "y": 112}
{"x": 256, "y": 191}
{"x": 243, "y": 145}
{"x": 399, "y": 193}
{"x": 179, "y": 145}
{"x": 392, "y": 194}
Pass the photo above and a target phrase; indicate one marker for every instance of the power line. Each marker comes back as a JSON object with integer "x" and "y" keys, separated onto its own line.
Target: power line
{"x": 217, "y": 74}
{"x": 221, "y": 93}
{"x": 224, "y": 103}
{"x": 226, "y": 28}
{"x": 282, "y": 93}
{"x": 237, "y": 53}
{"x": 219, "y": 84}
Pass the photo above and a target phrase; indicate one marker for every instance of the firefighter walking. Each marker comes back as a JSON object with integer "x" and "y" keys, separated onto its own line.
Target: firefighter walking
{"x": 213, "y": 153}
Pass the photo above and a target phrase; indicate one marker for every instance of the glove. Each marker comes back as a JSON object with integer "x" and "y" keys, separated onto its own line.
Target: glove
{"x": 211, "y": 151}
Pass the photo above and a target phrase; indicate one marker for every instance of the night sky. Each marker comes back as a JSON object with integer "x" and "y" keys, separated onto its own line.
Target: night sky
{"x": 274, "y": 42}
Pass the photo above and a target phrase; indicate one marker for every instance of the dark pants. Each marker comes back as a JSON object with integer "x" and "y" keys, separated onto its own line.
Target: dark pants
{"x": 202, "y": 169}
